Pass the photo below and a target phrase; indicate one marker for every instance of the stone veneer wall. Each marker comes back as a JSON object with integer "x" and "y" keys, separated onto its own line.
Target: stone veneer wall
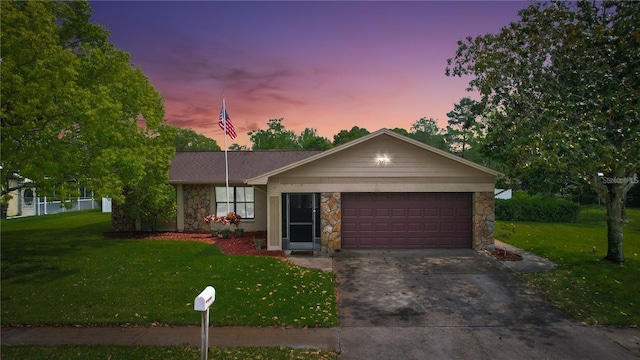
{"x": 484, "y": 217}
{"x": 330, "y": 222}
{"x": 197, "y": 202}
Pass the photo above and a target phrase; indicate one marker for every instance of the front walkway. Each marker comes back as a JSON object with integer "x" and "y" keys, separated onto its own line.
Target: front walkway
{"x": 229, "y": 336}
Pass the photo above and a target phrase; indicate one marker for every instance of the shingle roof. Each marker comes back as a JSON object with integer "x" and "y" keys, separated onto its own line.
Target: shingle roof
{"x": 206, "y": 167}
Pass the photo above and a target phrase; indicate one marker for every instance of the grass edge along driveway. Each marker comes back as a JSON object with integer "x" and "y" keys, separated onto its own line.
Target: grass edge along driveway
{"x": 60, "y": 270}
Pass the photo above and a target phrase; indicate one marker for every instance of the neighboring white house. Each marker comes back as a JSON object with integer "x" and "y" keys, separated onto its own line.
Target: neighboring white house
{"x": 25, "y": 202}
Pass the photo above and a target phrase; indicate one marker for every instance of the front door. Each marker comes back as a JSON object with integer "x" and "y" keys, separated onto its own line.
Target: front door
{"x": 300, "y": 220}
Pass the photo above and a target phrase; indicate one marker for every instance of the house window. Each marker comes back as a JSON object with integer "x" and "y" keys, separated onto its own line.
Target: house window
{"x": 241, "y": 201}
{"x": 28, "y": 197}
{"x": 85, "y": 194}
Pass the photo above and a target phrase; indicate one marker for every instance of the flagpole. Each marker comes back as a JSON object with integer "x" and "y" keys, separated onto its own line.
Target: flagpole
{"x": 226, "y": 160}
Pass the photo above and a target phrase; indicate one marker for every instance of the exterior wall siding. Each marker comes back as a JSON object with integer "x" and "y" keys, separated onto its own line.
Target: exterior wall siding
{"x": 285, "y": 184}
{"x": 408, "y": 169}
{"x": 274, "y": 233}
{"x": 404, "y": 160}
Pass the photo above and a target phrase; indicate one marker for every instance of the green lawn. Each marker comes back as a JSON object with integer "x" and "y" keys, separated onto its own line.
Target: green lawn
{"x": 583, "y": 285}
{"x": 60, "y": 270}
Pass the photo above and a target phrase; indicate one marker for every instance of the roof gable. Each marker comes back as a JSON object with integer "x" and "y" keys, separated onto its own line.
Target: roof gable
{"x": 431, "y": 155}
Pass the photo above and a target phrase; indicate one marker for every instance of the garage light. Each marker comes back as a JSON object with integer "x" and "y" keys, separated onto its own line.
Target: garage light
{"x": 382, "y": 160}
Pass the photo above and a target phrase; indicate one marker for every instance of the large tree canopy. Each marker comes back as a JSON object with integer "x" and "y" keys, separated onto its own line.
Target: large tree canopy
{"x": 189, "y": 140}
{"x": 426, "y": 130}
{"x": 344, "y": 136}
{"x": 75, "y": 112}
{"x": 464, "y": 130}
{"x": 275, "y": 137}
{"x": 310, "y": 140}
{"x": 278, "y": 137}
{"x": 564, "y": 84}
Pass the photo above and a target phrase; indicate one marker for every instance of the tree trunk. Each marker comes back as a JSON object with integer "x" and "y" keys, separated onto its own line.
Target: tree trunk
{"x": 615, "y": 252}
{"x": 612, "y": 190}
{"x": 623, "y": 215}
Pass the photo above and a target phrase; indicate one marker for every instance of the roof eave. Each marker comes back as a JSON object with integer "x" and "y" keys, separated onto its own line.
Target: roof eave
{"x": 205, "y": 182}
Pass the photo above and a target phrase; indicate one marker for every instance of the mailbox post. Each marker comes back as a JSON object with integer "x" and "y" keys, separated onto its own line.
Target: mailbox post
{"x": 202, "y": 303}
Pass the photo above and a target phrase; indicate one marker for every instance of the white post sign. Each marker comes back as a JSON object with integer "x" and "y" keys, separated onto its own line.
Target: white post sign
{"x": 202, "y": 303}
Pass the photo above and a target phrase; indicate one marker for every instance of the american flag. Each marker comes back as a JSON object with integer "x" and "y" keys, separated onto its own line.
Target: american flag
{"x": 224, "y": 118}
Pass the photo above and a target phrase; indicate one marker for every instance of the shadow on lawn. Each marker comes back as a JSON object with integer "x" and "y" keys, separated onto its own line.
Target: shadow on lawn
{"x": 34, "y": 273}
{"x": 28, "y": 255}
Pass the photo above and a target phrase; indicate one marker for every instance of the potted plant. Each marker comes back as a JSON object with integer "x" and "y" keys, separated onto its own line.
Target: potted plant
{"x": 234, "y": 219}
{"x": 225, "y": 233}
{"x": 211, "y": 220}
{"x": 231, "y": 218}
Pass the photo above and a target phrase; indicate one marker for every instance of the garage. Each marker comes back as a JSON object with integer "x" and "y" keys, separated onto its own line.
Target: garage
{"x": 406, "y": 220}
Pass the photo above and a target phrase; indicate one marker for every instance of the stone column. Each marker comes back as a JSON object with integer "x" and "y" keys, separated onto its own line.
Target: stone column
{"x": 484, "y": 217}
{"x": 330, "y": 223}
{"x": 196, "y": 200}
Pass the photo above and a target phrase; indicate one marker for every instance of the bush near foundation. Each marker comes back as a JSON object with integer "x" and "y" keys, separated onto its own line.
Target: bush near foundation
{"x": 523, "y": 207}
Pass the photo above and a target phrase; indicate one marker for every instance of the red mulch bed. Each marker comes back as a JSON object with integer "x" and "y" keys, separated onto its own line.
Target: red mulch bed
{"x": 244, "y": 245}
{"x": 232, "y": 246}
{"x": 502, "y": 254}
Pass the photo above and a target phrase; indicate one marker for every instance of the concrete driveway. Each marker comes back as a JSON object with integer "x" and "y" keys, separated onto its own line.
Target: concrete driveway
{"x": 452, "y": 304}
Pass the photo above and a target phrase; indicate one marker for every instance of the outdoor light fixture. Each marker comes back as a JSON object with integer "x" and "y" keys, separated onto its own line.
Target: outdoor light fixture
{"x": 382, "y": 160}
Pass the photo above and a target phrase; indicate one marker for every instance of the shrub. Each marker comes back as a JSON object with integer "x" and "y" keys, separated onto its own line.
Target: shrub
{"x": 536, "y": 208}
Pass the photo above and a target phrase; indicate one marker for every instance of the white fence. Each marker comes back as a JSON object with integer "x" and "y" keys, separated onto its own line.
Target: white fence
{"x": 25, "y": 202}
{"x": 45, "y": 207}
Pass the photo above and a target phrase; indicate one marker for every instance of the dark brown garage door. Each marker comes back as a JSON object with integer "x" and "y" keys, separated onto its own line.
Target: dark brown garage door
{"x": 406, "y": 220}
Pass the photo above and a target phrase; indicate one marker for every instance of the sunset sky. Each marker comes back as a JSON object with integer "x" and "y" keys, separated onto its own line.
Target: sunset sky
{"x": 323, "y": 65}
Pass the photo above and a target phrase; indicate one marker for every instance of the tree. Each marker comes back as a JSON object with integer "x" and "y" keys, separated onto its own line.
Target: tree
{"x": 189, "y": 140}
{"x": 150, "y": 198}
{"x": 73, "y": 108}
{"x": 275, "y": 137}
{"x": 278, "y": 137}
{"x": 344, "y": 136}
{"x": 238, "y": 147}
{"x": 464, "y": 130}
{"x": 309, "y": 140}
{"x": 427, "y": 131}
{"x": 563, "y": 82}
{"x": 401, "y": 131}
